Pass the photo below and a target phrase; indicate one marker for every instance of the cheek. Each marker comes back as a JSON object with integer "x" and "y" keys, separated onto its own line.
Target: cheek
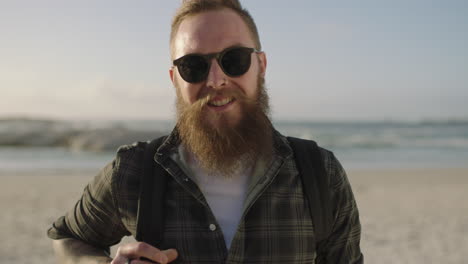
{"x": 186, "y": 96}
{"x": 252, "y": 77}
{"x": 250, "y": 84}
{"x": 187, "y": 92}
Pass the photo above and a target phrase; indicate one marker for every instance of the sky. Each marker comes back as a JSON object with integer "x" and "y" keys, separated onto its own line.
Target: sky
{"x": 327, "y": 60}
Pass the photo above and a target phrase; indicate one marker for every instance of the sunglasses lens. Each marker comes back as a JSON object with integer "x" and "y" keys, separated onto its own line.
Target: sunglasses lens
{"x": 236, "y": 62}
{"x": 193, "y": 68}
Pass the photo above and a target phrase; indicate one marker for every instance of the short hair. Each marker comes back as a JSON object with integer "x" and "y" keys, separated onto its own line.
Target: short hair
{"x": 194, "y": 7}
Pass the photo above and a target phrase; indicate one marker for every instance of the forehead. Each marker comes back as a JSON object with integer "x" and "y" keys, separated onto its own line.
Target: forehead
{"x": 211, "y": 31}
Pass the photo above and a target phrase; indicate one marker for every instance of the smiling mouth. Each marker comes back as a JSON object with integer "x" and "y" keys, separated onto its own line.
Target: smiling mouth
{"x": 221, "y": 102}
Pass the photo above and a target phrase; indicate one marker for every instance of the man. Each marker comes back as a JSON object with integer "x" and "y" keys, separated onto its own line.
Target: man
{"x": 234, "y": 194}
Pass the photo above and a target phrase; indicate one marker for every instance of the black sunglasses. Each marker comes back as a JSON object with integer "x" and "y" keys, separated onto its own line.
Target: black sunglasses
{"x": 234, "y": 62}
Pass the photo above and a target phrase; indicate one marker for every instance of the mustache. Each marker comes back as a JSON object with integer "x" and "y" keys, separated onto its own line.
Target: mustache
{"x": 234, "y": 93}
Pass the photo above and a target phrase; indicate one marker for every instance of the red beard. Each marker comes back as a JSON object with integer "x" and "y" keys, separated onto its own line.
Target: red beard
{"x": 226, "y": 147}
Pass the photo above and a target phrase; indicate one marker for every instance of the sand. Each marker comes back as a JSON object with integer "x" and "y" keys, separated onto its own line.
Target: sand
{"x": 408, "y": 216}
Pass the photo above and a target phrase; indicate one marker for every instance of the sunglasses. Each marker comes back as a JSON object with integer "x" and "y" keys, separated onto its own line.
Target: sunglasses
{"x": 234, "y": 62}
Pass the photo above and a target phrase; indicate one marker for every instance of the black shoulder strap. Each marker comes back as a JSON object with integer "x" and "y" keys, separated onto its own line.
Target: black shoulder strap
{"x": 316, "y": 185}
{"x": 150, "y": 217}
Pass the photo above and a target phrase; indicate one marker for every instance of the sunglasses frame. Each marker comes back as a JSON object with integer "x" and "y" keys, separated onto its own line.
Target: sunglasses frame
{"x": 218, "y": 56}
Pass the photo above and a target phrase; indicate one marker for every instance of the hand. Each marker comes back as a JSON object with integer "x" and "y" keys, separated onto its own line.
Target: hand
{"x": 138, "y": 250}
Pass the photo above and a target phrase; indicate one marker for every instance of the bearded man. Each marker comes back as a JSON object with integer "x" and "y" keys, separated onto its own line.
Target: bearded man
{"x": 233, "y": 194}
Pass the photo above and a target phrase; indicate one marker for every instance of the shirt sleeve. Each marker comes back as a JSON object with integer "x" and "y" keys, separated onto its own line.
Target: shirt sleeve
{"x": 95, "y": 217}
{"x": 342, "y": 246}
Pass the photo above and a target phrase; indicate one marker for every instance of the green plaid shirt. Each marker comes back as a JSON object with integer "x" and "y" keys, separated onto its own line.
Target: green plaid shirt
{"x": 276, "y": 225}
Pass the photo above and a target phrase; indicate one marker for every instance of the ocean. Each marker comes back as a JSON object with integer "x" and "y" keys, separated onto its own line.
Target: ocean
{"x": 53, "y": 146}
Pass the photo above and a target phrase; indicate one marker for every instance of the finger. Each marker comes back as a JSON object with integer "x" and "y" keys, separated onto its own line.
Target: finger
{"x": 165, "y": 256}
{"x": 144, "y": 260}
{"x": 119, "y": 260}
{"x": 171, "y": 254}
{"x": 137, "y": 250}
{"x": 140, "y": 249}
{"x": 137, "y": 261}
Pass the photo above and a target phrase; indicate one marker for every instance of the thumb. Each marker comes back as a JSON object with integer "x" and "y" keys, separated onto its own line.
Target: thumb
{"x": 166, "y": 256}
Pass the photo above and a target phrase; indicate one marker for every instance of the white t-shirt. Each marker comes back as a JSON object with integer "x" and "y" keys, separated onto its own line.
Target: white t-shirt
{"x": 225, "y": 196}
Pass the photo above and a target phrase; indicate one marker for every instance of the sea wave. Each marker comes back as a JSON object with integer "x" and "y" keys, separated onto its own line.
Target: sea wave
{"x": 381, "y": 135}
{"x": 108, "y": 136}
{"x": 77, "y": 136}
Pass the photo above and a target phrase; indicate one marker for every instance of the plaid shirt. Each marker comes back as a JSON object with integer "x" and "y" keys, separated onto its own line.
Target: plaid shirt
{"x": 276, "y": 225}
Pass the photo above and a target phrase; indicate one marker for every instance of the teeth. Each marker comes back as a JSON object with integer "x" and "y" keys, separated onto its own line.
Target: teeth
{"x": 221, "y": 102}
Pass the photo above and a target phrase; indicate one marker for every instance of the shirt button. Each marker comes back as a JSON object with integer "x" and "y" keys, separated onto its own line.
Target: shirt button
{"x": 212, "y": 227}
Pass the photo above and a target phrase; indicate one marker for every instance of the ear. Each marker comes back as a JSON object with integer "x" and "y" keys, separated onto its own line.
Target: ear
{"x": 262, "y": 63}
{"x": 171, "y": 73}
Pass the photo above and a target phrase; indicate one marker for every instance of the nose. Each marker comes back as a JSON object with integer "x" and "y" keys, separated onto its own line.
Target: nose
{"x": 216, "y": 79}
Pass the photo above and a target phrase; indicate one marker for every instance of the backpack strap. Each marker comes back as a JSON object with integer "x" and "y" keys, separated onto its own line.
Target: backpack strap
{"x": 150, "y": 216}
{"x": 316, "y": 185}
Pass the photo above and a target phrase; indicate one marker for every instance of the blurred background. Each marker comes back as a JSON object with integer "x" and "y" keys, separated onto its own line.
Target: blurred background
{"x": 383, "y": 84}
{"x": 385, "y": 81}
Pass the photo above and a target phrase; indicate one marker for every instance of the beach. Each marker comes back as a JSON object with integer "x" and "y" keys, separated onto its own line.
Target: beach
{"x": 407, "y": 215}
